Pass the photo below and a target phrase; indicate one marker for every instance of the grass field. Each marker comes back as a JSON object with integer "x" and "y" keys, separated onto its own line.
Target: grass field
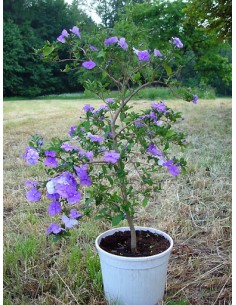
{"x": 194, "y": 209}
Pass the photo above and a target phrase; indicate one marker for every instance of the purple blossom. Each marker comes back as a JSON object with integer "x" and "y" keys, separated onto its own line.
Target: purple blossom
{"x": 50, "y": 153}
{"x": 54, "y": 208}
{"x": 87, "y": 108}
{"x": 111, "y": 157}
{"x": 68, "y": 222}
{"x": 157, "y": 53}
{"x": 33, "y": 195}
{"x": 74, "y": 214}
{"x": 195, "y": 99}
{"x": 82, "y": 173}
{"x": 54, "y": 228}
{"x": 95, "y": 138}
{"x": 66, "y": 186}
{"x": 73, "y": 196}
{"x": 89, "y": 65}
{"x": 143, "y": 55}
{"x": 177, "y": 42}
{"x": 110, "y": 100}
{"x": 110, "y": 41}
{"x": 151, "y": 115}
{"x": 50, "y": 160}
{"x": 53, "y": 196}
{"x": 31, "y": 156}
{"x": 160, "y": 107}
{"x": 102, "y": 107}
{"x": 75, "y": 30}
{"x": 87, "y": 154}
{"x": 139, "y": 123}
{"x": 64, "y": 34}
{"x": 122, "y": 43}
{"x": 72, "y": 130}
{"x": 68, "y": 147}
{"x": 172, "y": 168}
{"x": 92, "y": 48}
{"x": 154, "y": 151}
{"x": 31, "y": 183}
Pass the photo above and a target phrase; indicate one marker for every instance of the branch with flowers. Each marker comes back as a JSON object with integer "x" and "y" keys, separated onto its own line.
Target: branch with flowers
{"x": 97, "y": 159}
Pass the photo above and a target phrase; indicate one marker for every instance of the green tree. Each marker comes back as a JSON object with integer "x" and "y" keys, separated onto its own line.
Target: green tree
{"x": 12, "y": 51}
{"x": 168, "y": 19}
{"x": 212, "y": 15}
{"x": 33, "y": 23}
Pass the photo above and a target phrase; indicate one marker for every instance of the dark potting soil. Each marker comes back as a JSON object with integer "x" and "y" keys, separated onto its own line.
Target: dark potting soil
{"x": 148, "y": 244}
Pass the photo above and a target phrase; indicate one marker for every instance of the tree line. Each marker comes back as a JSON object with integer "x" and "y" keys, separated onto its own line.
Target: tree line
{"x": 27, "y": 24}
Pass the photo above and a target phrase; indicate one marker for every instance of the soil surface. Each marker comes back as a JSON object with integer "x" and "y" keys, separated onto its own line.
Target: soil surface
{"x": 148, "y": 244}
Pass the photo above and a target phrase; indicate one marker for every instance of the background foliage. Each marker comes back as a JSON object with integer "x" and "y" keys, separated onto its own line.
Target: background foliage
{"x": 206, "y": 56}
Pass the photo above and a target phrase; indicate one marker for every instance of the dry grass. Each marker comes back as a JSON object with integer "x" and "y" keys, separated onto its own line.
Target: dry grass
{"x": 194, "y": 209}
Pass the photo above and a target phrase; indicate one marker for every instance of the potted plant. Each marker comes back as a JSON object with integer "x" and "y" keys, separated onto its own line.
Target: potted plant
{"x": 98, "y": 158}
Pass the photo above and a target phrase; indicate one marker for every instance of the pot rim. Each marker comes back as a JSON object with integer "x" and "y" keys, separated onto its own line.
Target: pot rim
{"x": 134, "y": 259}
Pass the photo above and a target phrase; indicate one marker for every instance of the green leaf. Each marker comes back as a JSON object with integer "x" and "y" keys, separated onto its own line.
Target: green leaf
{"x": 122, "y": 116}
{"x": 168, "y": 69}
{"x": 110, "y": 180}
{"x": 116, "y": 220}
{"x": 144, "y": 202}
{"x": 87, "y": 125}
{"x": 47, "y": 50}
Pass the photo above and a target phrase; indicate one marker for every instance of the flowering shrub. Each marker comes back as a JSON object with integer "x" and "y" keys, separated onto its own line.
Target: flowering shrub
{"x": 94, "y": 164}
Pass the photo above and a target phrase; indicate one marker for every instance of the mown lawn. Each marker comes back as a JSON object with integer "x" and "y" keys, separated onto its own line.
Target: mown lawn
{"x": 194, "y": 209}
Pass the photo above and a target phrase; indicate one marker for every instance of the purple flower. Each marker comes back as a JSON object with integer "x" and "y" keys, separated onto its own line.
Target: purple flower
{"x": 75, "y": 30}
{"x": 87, "y": 108}
{"x": 68, "y": 147}
{"x": 50, "y": 153}
{"x": 83, "y": 175}
{"x": 53, "y": 196}
{"x": 89, "y": 65}
{"x": 160, "y": 107}
{"x": 111, "y": 156}
{"x": 95, "y": 138}
{"x": 31, "y": 183}
{"x": 68, "y": 222}
{"x": 195, "y": 99}
{"x": 143, "y": 55}
{"x": 87, "y": 154}
{"x": 31, "y": 156}
{"x": 54, "y": 228}
{"x": 157, "y": 52}
{"x": 50, "y": 160}
{"x": 109, "y": 100}
{"x": 110, "y": 41}
{"x": 102, "y": 107}
{"x": 122, "y": 43}
{"x": 66, "y": 186}
{"x": 172, "y": 168}
{"x": 177, "y": 42}
{"x": 139, "y": 123}
{"x": 73, "y": 196}
{"x": 54, "y": 208}
{"x": 154, "y": 151}
{"x": 64, "y": 34}
{"x": 72, "y": 130}
{"x": 92, "y": 48}
{"x": 74, "y": 214}
{"x": 33, "y": 195}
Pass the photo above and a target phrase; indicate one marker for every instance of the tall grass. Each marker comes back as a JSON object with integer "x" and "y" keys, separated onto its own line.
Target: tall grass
{"x": 151, "y": 93}
{"x": 194, "y": 209}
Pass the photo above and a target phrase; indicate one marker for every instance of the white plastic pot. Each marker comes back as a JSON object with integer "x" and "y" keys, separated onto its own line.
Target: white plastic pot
{"x": 134, "y": 280}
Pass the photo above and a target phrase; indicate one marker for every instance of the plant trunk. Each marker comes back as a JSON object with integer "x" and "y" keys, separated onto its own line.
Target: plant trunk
{"x": 133, "y": 234}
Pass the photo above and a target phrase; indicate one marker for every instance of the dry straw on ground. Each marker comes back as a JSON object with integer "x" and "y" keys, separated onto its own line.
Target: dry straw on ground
{"x": 194, "y": 209}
